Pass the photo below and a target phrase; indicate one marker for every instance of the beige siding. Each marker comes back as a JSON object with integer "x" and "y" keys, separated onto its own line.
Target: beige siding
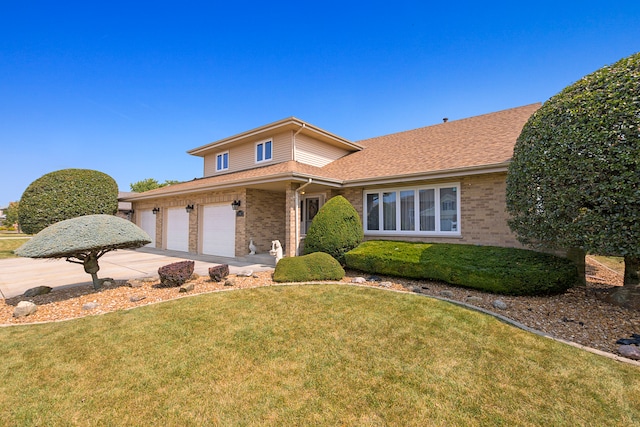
{"x": 316, "y": 153}
{"x": 243, "y": 157}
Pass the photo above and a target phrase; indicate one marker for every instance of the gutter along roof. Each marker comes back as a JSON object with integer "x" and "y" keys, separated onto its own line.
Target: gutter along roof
{"x": 480, "y": 144}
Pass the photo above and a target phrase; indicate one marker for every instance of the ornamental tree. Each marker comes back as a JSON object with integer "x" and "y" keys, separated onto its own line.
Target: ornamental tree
{"x": 84, "y": 240}
{"x": 574, "y": 181}
{"x": 66, "y": 194}
{"x": 149, "y": 184}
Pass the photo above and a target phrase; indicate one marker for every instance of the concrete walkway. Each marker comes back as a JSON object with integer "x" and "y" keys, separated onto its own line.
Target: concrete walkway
{"x": 19, "y": 274}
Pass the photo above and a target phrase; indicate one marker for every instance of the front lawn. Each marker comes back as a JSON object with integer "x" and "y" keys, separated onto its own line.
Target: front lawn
{"x": 305, "y": 355}
{"x": 8, "y": 245}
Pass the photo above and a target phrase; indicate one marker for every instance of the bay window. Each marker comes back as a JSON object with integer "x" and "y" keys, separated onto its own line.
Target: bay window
{"x": 432, "y": 210}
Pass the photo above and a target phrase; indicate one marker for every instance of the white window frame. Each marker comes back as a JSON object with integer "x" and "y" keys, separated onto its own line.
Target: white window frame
{"x": 220, "y": 157}
{"x": 398, "y": 215}
{"x": 262, "y": 146}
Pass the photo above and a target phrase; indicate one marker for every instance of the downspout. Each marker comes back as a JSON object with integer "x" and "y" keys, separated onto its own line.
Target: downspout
{"x": 298, "y": 190}
{"x": 293, "y": 145}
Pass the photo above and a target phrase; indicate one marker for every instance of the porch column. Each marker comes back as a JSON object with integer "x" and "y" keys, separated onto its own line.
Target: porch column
{"x": 290, "y": 220}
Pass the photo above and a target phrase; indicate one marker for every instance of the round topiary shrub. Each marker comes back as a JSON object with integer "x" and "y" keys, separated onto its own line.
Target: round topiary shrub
{"x": 335, "y": 230}
{"x": 307, "y": 268}
{"x": 66, "y": 194}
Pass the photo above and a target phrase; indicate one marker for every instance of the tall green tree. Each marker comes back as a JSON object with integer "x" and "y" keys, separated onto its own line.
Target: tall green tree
{"x": 574, "y": 181}
{"x": 149, "y": 184}
{"x": 11, "y": 214}
{"x": 66, "y": 194}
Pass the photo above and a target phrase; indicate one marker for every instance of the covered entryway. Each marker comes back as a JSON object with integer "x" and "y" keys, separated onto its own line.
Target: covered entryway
{"x": 219, "y": 230}
{"x": 148, "y": 224}
{"x": 178, "y": 229}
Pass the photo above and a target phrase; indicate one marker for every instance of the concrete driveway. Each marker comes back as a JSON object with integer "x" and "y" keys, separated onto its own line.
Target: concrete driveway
{"x": 19, "y": 274}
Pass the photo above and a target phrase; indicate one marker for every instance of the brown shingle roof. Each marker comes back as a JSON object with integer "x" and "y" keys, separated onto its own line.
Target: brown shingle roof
{"x": 473, "y": 142}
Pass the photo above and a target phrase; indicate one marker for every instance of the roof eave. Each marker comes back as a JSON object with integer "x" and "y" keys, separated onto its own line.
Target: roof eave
{"x": 421, "y": 176}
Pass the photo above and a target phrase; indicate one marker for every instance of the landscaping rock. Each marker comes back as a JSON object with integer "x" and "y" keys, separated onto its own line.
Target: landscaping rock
{"x": 473, "y": 299}
{"x": 446, "y": 294}
{"x": 358, "y": 280}
{"x": 219, "y": 272}
{"x": 137, "y": 298}
{"x": 629, "y": 351}
{"x": 25, "y": 308}
{"x": 499, "y": 304}
{"x": 176, "y": 274}
{"x": 373, "y": 279}
{"x": 386, "y": 284}
{"x": 90, "y": 306}
{"x": 135, "y": 284}
{"x": 245, "y": 273}
{"x": 187, "y": 287}
{"x": 230, "y": 282}
{"x": 38, "y": 290}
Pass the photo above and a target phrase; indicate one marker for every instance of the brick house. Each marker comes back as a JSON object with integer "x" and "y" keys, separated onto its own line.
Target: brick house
{"x": 441, "y": 183}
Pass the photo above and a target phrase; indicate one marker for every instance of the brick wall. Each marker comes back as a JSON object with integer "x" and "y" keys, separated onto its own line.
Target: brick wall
{"x": 483, "y": 212}
{"x": 265, "y": 220}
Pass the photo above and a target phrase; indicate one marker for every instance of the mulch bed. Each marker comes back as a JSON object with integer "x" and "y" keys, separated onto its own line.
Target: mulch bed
{"x": 579, "y": 315}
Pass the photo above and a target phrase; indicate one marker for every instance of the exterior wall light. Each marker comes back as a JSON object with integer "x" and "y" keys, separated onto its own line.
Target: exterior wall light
{"x": 155, "y": 210}
{"x": 235, "y": 205}
{"x": 189, "y": 208}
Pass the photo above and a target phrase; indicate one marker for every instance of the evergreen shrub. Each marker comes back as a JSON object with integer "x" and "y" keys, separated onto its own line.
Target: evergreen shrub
{"x": 66, "y": 194}
{"x": 487, "y": 268}
{"x": 307, "y": 268}
{"x": 335, "y": 230}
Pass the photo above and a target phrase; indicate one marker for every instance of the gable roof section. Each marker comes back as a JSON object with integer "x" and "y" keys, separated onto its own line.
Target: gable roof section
{"x": 266, "y": 131}
{"x": 475, "y": 143}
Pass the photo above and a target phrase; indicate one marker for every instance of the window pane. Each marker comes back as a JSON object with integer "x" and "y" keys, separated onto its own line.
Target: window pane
{"x": 219, "y": 162}
{"x": 427, "y": 210}
{"x": 389, "y": 210}
{"x": 448, "y": 209}
{"x": 259, "y": 153}
{"x": 267, "y": 150}
{"x": 225, "y": 162}
{"x": 373, "y": 212}
{"x": 407, "y": 211}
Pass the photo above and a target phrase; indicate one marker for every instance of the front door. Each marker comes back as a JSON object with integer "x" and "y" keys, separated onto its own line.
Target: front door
{"x": 309, "y": 207}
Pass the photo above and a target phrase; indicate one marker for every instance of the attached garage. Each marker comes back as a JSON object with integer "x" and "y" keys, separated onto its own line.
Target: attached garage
{"x": 177, "y": 229}
{"x": 218, "y": 230}
{"x": 148, "y": 224}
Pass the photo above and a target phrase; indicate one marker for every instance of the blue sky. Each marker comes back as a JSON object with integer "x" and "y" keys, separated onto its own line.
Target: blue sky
{"x": 128, "y": 87}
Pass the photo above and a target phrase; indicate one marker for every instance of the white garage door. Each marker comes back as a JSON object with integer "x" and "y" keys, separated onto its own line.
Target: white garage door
{"x": 178, "y": 229}
{"x": 219, "y": 230}
{"x": 148, "y": 224}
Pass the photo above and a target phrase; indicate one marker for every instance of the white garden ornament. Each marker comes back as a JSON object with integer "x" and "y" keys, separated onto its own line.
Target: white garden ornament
{"x": 276, "y": 250}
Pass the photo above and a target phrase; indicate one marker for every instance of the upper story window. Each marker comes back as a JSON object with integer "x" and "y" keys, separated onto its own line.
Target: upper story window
{"x": 264, "y": 151}
{"x": 222, "y": 161}
{"x": 431, "y": 210}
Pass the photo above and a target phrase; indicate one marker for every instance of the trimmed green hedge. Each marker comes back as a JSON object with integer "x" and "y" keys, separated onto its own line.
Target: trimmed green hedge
{"x": 335, "y": 230}
{"x": 66, "y": 194}
{"x": 307, "y": 268}
{"x": 487, "y": 268}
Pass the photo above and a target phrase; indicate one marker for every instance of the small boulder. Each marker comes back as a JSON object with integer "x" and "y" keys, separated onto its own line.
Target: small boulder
{"x": 386, "y": 284}
{"x": 187, "y": 287}
{"x": 230, "y": 282}
{"x": 373, "y": 279}
{"x": 90, "y": 306}
{"x": 245, "y": 273}
{"x": 499, "y": 304}
{"x": 446, "y": 294}
{"x": 358, "y": 280}
{"x": 38, "y": 290}
{"x": 137, "y": 298}
{"x": 219, "y": 272}
{"x": 24, "y": 308}
{"x": 472, "y": 299}
{"x": 629, "y": 351}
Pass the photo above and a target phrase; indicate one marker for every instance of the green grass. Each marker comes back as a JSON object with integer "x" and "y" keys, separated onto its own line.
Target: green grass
{"x": 305, "y": 355}
{"x": 7, "y": 246}
{"x": 614, "y": 263}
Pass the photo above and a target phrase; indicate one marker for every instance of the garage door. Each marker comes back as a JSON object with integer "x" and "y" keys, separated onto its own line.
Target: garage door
{"x": 148, "y": 224}
{"x": 178, "y": 229}
{"x": 219, "y": 230}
